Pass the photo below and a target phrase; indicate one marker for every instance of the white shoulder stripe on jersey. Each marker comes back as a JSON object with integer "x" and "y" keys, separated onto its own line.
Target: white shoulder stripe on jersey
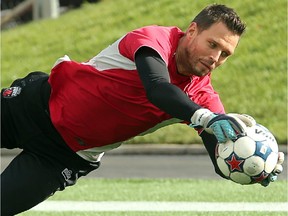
{"x": 62, "y": 59}
{"x": 110, "y": 58}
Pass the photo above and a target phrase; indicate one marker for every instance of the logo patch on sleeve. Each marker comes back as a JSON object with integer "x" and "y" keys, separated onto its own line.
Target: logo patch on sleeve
{"x": 11, "y": 92}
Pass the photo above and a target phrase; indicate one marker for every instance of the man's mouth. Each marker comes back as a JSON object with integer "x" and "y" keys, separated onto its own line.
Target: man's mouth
{"x": 208, "y": 66}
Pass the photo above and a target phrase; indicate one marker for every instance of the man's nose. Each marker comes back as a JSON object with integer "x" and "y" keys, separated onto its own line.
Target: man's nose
{"x": 215, "y": 55}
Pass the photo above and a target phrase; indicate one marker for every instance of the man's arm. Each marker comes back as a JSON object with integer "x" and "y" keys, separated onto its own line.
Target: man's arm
{"x": 168, "y": 97}
{"x": 155, "y": 77}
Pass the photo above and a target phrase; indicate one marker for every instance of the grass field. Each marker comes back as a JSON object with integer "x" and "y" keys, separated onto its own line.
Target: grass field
{"x": 253, "y": 81}
{"x": 171, "y": 190}
{"x": 163, "y": 214}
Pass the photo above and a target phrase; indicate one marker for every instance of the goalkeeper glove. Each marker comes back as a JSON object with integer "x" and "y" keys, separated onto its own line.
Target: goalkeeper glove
{"x": 277, "y": 170}
{"x": 248, "y": 120}
{"x": 223, "y": 126}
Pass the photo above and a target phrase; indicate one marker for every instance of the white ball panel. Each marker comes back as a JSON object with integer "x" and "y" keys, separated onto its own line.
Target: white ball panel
{"x": 261, "y": 133}
{"x": 253, "y": 165}
{"x": 223, "y": 166}
{"x": 240, "y": 178}
{"x": 273, "y": 145}
{"x": 271, "y": 162}
{"x": 244, "y": 147}
{"x": 225, "y": 149}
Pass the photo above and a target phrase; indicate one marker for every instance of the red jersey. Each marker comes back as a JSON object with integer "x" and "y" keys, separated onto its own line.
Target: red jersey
{"x": 96, "y": 105}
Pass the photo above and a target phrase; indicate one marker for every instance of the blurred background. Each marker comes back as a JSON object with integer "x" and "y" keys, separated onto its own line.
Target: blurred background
{"x": 16, "y": 12}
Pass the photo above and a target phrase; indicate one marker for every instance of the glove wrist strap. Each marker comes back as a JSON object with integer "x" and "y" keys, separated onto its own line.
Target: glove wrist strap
{"x": 201, "y": 118}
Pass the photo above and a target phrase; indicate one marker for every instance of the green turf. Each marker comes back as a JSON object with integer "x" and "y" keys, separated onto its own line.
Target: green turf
{"x": 169, "y": 190}
{"x": 156, "y": 214}
{"x": 254, "y": 81}
{"x": 172, "y": 190}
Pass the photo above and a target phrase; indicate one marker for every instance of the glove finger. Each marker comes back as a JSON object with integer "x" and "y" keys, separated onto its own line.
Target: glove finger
{"x": 228, "y": 129}
{"x": 272, "y": 177}
{"x": 281, "y": 157}
{"x": 265, "y": 182}
{"x": 278, "y": 169}
{"x": 238, "y": 126}
{"x": 218, "y": 132}
{"x": 248, "y": 120}
{"x": 227, "y": 126}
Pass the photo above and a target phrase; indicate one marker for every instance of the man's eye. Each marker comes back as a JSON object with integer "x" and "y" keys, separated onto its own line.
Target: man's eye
{"x": 212, "y": 45}
{"x": 224, "y": 54}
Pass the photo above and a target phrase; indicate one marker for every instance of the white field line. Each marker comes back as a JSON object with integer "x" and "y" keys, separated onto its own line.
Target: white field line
{"x": 106, "y": 206}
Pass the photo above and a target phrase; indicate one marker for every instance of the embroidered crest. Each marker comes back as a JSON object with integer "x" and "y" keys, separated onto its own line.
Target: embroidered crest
{"x": 11, "y": 92}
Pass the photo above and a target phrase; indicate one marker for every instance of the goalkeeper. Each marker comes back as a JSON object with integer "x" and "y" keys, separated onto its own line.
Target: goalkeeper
{"x": 151, "y": 77}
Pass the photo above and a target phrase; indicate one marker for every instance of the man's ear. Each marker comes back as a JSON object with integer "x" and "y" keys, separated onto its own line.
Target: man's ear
{"x": 192, "y": 29}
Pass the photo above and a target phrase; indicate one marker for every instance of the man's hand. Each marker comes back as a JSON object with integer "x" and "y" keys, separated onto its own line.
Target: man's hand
{"x": 223, "y": 126}
{"x": 277, "y": 170}
{"x": 248, "y": 120}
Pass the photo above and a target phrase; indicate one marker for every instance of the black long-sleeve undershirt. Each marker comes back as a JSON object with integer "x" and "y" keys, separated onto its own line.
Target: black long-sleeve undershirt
{"x": 154, "y": 75}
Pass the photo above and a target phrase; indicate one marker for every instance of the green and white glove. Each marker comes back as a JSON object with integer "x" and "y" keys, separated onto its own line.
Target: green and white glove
{"x": 248, "y": 120}
{"x": 223, "y": 126}
{"x": 277, "y": 170}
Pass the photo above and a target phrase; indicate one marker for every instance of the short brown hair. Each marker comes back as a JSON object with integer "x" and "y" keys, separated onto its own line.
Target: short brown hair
{"x": 219, "y": 13}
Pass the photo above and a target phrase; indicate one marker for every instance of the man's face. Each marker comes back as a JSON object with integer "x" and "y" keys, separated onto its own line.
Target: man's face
{"x": 202, "y": 52}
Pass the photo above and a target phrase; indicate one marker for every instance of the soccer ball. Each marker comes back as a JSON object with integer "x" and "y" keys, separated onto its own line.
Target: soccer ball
{"x": 250, "y": 158}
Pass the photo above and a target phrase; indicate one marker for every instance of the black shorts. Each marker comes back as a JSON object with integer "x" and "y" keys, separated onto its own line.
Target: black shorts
{"x": 46, "y": 163}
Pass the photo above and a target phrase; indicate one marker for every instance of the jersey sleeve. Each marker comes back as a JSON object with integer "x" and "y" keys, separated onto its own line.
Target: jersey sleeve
{"x": 203, "y": 93}
{"x": 155, "y": 37}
